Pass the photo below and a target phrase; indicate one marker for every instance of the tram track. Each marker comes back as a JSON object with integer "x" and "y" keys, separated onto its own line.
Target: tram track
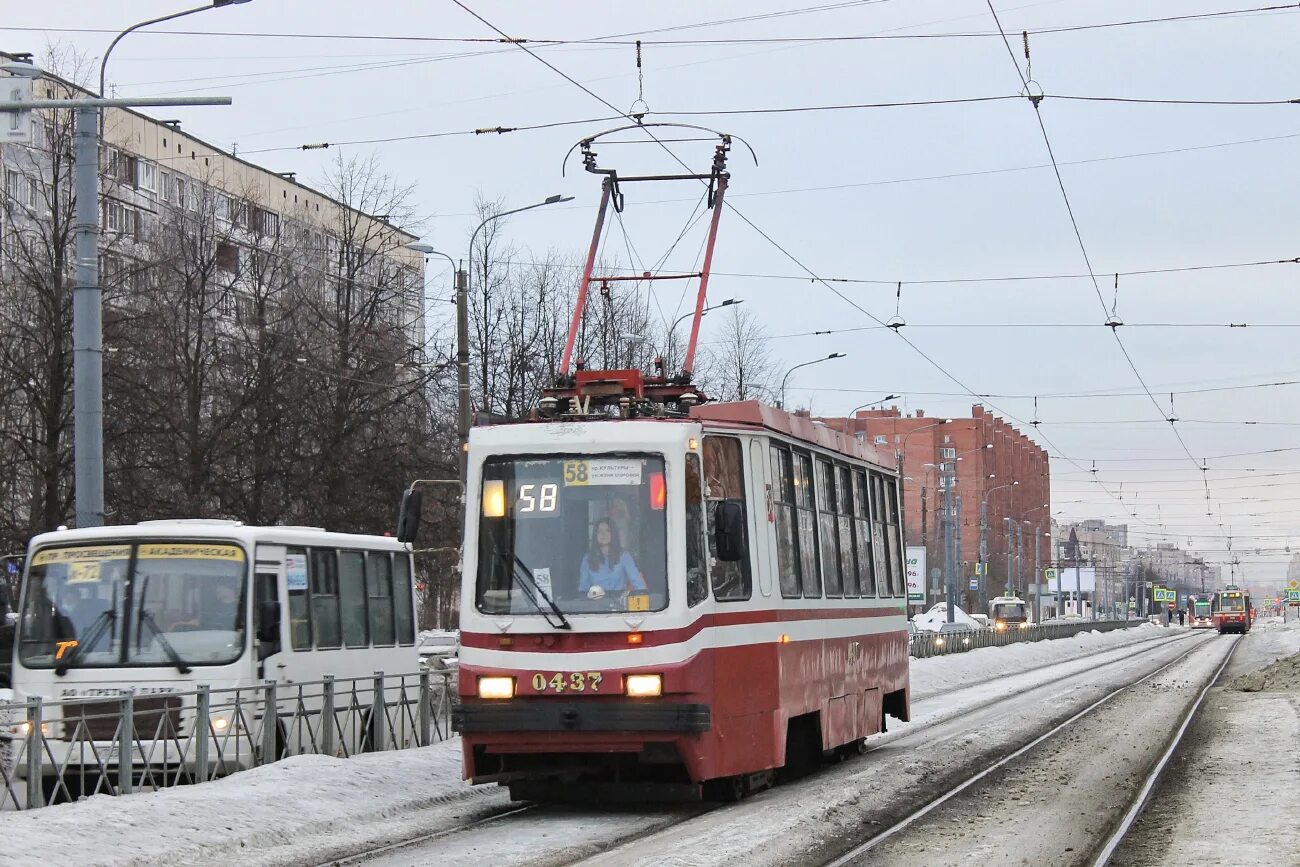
{"x": 904, "y": 823}
{"x": 1107, "y": 849}
{"x": 623, "y": 831}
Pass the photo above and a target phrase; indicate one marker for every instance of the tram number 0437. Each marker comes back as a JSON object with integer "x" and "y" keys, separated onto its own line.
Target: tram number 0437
{"x": 568, "y": 681}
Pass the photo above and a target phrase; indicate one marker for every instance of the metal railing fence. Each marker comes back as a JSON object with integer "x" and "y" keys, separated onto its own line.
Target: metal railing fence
{"x": 59, "y": 750}
{"x": 924, "y": 644}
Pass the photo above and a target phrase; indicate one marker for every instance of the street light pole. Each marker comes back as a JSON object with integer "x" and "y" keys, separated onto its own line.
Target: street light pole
{"x": 462, "y": 331}
{"x": 87, "y": 294}
{"x": 984, "y": 538}
{"x": 786, "y": 378}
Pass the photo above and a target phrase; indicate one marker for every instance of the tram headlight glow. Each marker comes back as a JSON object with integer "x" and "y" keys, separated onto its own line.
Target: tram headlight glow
{"x": 496, "y": 687}
{"x": 1024, "y": 624}
{"x": 643, "y": 685}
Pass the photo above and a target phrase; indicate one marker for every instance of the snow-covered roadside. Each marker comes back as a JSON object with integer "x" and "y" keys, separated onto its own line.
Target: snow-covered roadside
{"x": 304, "y": 796}
{"x": 325, "y": 804}
{"x": 939, "y": 674}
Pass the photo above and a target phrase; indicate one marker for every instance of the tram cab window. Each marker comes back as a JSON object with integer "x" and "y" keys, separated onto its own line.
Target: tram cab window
{"x": 583, "y": 533}
{"x": 724, "y": 470}
{"x": 697, "y": 576}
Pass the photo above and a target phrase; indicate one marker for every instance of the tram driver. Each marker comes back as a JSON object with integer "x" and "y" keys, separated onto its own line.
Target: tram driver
{"x": 606, "y": 567}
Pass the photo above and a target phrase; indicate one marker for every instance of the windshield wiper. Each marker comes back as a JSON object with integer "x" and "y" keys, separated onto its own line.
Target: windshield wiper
{"x": 97, "y": 629}
{"x": 144, "y": 615}
{"x": 555, "y": 617}
{"x": 176, "y": 659}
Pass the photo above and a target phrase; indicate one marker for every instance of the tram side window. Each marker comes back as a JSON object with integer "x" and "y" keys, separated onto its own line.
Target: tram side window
{"x": 379, "y": 584}
{"x": 896, "y": 579}
{"x": 884, "y": 583}
{"x": 787, "y": 539}
{"x": 325, "y": 598}
{"x": 352, "y": 599}
{"x": 724, "y": 470}
{"x": 844, "y": 526}
{"x": 295, "y": 573}
{"x": 827, "y": 525}
{"x": 402, "y": 602}
{"x": 862, "y": 534}
{"x": 697, "y": 577}
{"x": 803, "y": 494}
{"x": 886, "y": 514}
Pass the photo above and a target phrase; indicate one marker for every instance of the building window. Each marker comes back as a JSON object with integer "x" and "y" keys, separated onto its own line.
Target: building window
{"x": 148, "y": 176}
{"x": 948, "y": 454}
{"x": 881, "y": 439}
{"x": 14, "y": 186}
{"x": 227, "y": 256}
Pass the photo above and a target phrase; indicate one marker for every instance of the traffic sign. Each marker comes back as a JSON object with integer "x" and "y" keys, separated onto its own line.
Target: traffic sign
{"x": 1049, "y": 575}
{"x": 981, "y": 568}
{"x": 974, "y": 583}
{"x": 1293, "y": 595}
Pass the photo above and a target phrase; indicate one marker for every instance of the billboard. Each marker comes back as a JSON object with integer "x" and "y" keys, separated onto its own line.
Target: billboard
{"x": 916, "y": 575}
{"x": 1066, "y": 577}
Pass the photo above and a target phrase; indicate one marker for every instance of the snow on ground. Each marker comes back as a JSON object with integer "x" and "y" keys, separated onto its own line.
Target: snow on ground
{"x": 1238, "y": 776}
{"x": 313, "y": 798}
{"x": 254, "y": 809}
{"x": 939, "y": 674}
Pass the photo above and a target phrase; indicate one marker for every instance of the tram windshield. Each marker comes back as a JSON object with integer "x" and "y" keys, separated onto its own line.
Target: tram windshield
{"x": 1232, "y": 602}
{"x": 572, "y": 534}
{"x": 1010, "y": 611}
{"x": 1200, "y": 609}
{"x": 124, "y": 604}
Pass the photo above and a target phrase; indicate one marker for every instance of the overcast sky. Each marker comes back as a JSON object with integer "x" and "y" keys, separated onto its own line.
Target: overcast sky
{"x": 911, "y": 194}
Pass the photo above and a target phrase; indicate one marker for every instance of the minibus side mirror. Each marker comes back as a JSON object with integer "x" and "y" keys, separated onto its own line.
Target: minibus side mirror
{"x": 408, "y": 516}
{"x": 729, "y": 530}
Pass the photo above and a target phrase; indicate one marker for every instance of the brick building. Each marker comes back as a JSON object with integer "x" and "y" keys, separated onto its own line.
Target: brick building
{"x": 929, "y": 449}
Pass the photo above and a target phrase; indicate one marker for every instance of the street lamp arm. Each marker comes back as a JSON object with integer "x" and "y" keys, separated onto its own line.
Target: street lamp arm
{"x": 551, "y": 200}
{"x": 103, "y": 64}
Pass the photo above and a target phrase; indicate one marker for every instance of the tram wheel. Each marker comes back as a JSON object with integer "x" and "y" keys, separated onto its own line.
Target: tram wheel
{"x": 728, "y": 790}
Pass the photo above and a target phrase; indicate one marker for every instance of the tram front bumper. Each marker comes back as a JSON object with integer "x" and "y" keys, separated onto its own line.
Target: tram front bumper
{"x": 527, "y": 715}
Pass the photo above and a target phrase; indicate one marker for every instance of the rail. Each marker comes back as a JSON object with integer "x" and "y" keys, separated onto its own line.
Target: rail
{"x": 147, "y": 739}
{"x": 925, "y": 644}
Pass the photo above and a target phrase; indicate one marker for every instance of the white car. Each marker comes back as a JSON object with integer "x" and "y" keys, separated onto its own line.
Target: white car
{"x": 439, "y": 650}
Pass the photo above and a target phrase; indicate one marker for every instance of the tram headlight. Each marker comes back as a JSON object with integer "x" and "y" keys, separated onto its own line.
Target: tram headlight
{"x": 1024, "y": 624}
{"x": 496, "y": 687}
{"x": 1000, "y": 626}
{"x": 643, "y": 685}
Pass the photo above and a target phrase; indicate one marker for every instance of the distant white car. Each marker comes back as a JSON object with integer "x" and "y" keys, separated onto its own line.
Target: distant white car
{"x": 439, "y": 650}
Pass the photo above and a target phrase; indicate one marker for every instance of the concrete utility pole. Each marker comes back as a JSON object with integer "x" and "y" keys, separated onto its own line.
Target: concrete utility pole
{"x": 87, "y": 295}
{"x": 462, "y": 371}
{"x": 949, "y": 567}
{"x": 1038, "y": 578}
{"x": 1020, "y": 557}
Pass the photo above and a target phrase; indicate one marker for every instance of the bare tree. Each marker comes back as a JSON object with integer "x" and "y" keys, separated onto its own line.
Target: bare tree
{"x": 36, "y": 260}
{"x": 739, "y": 364}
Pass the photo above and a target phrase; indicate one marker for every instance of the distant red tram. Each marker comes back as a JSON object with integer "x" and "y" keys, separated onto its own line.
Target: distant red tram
{"x": 695, "y": 603}
{"x": 1232, "y": 611}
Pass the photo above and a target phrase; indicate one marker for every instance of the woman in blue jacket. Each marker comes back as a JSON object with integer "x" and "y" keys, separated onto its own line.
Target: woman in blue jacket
{"x": 607, "y": 568}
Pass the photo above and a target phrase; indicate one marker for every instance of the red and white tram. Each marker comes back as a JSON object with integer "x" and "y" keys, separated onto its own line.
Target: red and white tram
{"x": 1232, "y": 610}
{"x": 662, "y": 592}
{"x": 750, "y": 612}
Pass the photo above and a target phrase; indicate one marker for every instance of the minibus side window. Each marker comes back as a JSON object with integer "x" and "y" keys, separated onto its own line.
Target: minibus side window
{"x": 295, "y": 578}
{"x": 325, "y": 598}
{"x": 379, "y": 583}
{"x": 402, "y": 604}
{"x": 352, "y": 599}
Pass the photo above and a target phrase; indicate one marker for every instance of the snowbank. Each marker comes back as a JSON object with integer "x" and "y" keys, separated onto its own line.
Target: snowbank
{"x": 299, "y": 797}
{"x": 938, "y": 674}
